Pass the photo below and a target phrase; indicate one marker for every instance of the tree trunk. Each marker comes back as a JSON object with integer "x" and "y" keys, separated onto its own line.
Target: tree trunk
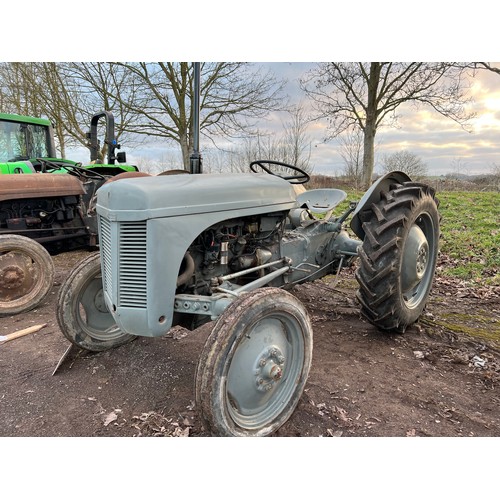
{"x": 370, "y": 128}
{"x": 368, "y": 155}
{"x": 186, "y": 153}
{"x": 60, "y": 135}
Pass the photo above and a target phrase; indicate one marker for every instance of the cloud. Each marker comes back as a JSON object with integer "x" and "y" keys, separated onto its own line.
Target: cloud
{"x": 439, "y": 141}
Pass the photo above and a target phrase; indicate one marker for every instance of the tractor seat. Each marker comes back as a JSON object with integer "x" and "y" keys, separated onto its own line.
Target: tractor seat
{"x": 321, "y": 201}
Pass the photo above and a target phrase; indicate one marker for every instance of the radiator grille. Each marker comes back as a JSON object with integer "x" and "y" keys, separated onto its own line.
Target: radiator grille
{"x": 105, "y": 245}
{"x": 132, "y": 260}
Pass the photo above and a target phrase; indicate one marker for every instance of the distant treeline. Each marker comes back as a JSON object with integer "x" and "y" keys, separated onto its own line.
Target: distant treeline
{"x": 450, "y": 182}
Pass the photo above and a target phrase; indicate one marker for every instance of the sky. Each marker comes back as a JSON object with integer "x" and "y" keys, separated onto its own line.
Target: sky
{"x": 443, "y": 145}
{"x": 285, "y": 39}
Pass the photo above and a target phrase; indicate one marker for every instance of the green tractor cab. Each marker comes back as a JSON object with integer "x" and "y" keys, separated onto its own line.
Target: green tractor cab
{"x": 23, "y": 139}
{"x": 27, "y": 146}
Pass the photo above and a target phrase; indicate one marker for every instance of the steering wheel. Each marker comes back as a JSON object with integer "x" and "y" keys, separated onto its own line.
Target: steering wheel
{"x": 77, "y": 169}
{"x": 300, "y": 178}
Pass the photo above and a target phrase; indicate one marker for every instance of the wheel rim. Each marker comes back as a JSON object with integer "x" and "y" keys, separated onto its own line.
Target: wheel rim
{"x": 419, "y": 256}
{"x": 92, "y": 314}
{"x": 264, "y": 371}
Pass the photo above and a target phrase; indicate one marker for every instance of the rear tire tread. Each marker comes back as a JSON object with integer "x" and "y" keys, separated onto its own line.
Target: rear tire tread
{"x": 385, "y": 224}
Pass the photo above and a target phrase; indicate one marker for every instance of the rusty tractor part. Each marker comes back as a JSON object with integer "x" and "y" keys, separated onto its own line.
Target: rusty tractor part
{"x": 26, "y": 274}
{"x": 51, "y": 209}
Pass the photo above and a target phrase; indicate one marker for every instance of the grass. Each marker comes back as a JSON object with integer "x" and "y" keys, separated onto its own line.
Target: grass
{"x": 470, "y": 234}
{"x": 470, "y": 229}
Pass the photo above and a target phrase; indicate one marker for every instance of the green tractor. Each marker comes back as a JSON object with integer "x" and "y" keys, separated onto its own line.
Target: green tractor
{"x": 47, "y": 204}
{"x": 27, "y": 147}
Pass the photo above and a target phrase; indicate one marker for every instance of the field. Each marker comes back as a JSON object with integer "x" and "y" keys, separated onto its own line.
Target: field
{"x": 470, "y": 228}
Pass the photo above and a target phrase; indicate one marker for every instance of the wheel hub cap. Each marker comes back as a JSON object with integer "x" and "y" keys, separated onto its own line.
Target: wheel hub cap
{"x": 269, "y": 369}
{"x": 415, "y": 258}
{"x": 99, "y": 302}
{"x": 15, "y": 276}
{"x": 12, "y": 277}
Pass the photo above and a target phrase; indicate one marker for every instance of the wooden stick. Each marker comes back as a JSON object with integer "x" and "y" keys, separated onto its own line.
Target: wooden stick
{"x": 20, "y": 333}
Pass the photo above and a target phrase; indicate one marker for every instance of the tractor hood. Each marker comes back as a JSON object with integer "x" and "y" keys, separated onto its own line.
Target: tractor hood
{"x": 18, "y": 186}
{"x": 177, "y": 195}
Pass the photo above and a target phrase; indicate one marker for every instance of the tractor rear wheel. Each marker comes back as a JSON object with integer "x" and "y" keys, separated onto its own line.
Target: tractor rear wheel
{"x": 254, "y": 365}
{"x": 398, "y": 256}
{"x": 82, "y": 314}
{"x": 26, "y": 274}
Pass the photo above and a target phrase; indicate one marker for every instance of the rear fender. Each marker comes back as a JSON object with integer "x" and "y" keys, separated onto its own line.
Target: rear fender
{"x": 106, "y": 169}
{"x": 17, "y": 167}
{"x": 373, "y": 196}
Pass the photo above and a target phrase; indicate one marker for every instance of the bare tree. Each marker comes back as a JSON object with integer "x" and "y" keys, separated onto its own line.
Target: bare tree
{"x": 102, "y": 86}
{"x": 296, "y": 140}
{"x": 365, "y": 95}
{"x": 405, "y": 161}
{"x": 259, "y": 146}
{"x": 14, "y": 90}
{"x": 68, "y": 94}
{"x": 45, "y": 91}
{"x": 495, "y": 170}
{"x": 229, "y": 160}
{"x": 480, "y": 66}
{"x": 458, "y": 166}
{"x": 351, "y": 151}
{"x": 168, "y": 160}
{"x": 291, "y": 146}
{"x": 233, "y": 97}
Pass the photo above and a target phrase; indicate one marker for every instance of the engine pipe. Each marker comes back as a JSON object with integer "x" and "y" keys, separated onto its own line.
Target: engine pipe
{"x": 250, "y": 270}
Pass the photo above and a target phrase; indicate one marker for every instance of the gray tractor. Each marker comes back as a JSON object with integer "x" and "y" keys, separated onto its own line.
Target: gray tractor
{"x": 188, "y": 249}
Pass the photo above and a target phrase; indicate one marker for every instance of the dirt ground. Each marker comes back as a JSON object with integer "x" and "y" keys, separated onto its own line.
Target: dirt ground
{"x": 441, "y": 378}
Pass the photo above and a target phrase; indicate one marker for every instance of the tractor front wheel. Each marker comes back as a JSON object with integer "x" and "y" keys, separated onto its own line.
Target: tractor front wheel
{"x": 26, "y": 274}
{"x": 82, "y": 314}
{"x": 398, "y": 256}
{"x": 254, "y": 365}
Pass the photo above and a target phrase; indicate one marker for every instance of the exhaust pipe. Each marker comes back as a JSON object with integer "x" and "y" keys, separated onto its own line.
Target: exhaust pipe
{"x": 195, "y": 164}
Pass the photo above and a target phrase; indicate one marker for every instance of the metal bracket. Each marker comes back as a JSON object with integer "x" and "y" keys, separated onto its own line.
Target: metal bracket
{"x": 214, "y": 305}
